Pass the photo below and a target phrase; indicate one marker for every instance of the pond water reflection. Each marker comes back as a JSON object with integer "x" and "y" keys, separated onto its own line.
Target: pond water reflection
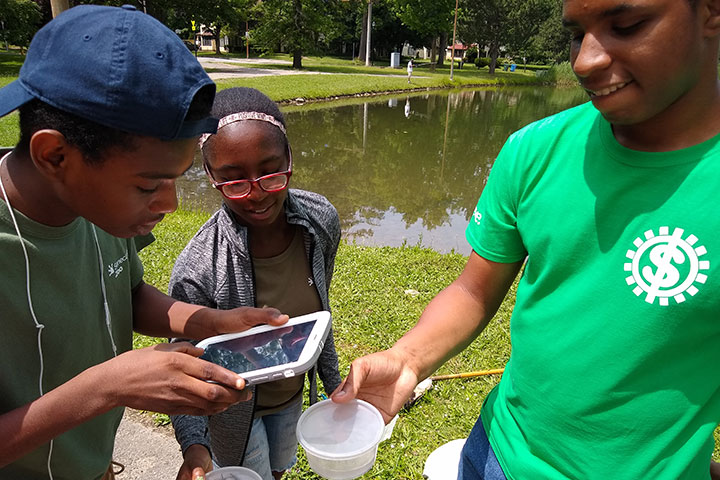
{"x": 402, "y": 169}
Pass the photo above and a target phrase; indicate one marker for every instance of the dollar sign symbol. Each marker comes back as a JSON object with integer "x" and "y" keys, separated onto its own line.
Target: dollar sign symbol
{"x": 666, "y": 275}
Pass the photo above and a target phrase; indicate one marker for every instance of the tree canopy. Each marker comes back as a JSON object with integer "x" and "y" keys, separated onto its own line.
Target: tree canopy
{"x": 500, "y": 28}
{"x": 20, "y": 19}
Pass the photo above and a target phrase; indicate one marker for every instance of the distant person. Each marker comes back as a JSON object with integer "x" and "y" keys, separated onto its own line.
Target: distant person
{"x": 111, "y": 105}
{"x": 410, "y": 69}
{"x": 609, "y": 211}
{"x": 267, "y": 245}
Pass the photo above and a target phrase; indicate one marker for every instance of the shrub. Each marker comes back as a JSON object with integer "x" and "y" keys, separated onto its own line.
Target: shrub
{"x": 471, "y": 54}
{"x": 482, "y": 62}
{"x": 559, "y": 74}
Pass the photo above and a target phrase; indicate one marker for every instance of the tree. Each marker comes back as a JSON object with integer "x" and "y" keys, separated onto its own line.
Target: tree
{"x": 297, "y": 25}
{"x": 388, "y": 32}
{"x": 215, "y": 15}
{"x": 498, "y": 24}
{"x": 20, "y": 20}
{"x": 552, "y": 42}
{"x": 429, "y": 18}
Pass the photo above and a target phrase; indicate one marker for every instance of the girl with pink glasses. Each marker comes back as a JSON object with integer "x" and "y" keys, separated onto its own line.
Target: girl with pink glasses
{"x": 267, "y": 245}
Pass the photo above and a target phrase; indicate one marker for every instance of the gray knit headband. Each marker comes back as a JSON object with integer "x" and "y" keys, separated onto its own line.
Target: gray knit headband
{"x": 240, "y": 116}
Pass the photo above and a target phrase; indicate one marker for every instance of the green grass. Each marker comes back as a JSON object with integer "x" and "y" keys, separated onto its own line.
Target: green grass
{"x": 355, "y": 80}
{"x": 289, "y": 87}
{"x": 561, "y": 75}
{"x": 377, "y": 294}
{"x": 359, "y": 79}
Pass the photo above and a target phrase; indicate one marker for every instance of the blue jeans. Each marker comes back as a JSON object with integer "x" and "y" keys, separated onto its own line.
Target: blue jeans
{"x": 272, "y": 446}
{"x": 477, "y": 459}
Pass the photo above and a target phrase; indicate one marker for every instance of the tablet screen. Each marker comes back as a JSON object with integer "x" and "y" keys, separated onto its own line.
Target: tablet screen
{"x": 262, "y": 350}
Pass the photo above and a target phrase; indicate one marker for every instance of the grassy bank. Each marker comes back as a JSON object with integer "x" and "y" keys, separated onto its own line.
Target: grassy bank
{"x": 377, "y": 294}
{"x": 358, "y": 79}
{"x": 335, "y": 78}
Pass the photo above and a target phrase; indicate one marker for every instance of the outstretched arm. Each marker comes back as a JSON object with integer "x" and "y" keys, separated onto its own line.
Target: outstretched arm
{"x": 449, "y": 323}
{"x": 159, "y": 315}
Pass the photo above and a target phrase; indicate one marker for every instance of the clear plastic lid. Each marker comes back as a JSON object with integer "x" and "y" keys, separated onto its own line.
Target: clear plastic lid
{"x": 232, "y": 473}
{"x": 333, "y": 430}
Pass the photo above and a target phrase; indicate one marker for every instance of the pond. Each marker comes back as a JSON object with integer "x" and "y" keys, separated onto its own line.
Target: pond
{"x": 402, "y": 169}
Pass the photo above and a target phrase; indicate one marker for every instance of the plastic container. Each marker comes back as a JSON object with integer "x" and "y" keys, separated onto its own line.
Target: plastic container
{"x": 340, "y": 440}
{"x": 443, "y": 462}
{"x": 232, "y": 473}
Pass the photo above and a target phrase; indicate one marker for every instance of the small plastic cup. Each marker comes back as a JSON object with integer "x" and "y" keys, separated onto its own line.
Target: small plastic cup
{"x": 232, "y": 473}
{"x": 340, "y": 440}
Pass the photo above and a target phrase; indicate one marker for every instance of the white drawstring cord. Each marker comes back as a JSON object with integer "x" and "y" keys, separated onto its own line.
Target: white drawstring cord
{"x": 39, "y": 326}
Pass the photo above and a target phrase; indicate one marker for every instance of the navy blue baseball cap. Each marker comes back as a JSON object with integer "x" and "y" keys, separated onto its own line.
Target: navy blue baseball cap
{"x": 114, "y": 66}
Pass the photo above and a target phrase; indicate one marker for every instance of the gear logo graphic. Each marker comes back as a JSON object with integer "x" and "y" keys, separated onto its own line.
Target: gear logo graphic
{"x": 666, "y": 266}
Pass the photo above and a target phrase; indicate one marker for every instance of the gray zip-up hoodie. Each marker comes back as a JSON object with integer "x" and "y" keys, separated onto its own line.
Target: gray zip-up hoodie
{"x": 215, "y": 270}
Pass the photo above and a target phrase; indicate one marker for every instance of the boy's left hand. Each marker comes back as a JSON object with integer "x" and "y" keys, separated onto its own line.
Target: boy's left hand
{"x": 714, "y": 470}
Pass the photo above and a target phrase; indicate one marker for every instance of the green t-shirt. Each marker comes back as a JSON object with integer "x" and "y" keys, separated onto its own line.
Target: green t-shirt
{"x": 67, "y": 299}
{"x": 616, "y": 327}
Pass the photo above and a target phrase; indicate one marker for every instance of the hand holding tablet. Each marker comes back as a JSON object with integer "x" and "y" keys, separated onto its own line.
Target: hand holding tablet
{"x": 266, "y": 353}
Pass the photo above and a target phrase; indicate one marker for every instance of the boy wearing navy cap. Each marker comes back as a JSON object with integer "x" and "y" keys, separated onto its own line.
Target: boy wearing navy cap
{"x": 111, "y": 107}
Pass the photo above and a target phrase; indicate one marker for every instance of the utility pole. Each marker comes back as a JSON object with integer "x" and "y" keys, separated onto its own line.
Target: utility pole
{"x": 452, "y": 55}
{"x": 369, "y": 29}
{"x": 247, "y": 40}
{"x": 58, "y": 6}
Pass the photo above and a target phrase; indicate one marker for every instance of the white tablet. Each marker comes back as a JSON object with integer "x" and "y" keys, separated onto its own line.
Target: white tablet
{"x": 265, "y": 353}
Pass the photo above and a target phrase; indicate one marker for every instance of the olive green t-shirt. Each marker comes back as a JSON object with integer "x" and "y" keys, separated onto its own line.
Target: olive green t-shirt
{"x": 286, "y": 283}
{"x": 67, "y": 299}
{"x": 616, "y": 327}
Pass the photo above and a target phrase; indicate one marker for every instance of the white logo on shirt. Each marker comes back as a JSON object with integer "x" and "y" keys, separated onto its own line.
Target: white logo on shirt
{"x": 477, "y": 216}
{"x": 116, "y": 268}
{"x": 310, "y": 282}
{"x": 666, "y": 266}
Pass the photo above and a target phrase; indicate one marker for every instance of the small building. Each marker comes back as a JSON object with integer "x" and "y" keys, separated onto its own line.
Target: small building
{"x": 205, "y": 40}
{"x": 459, "y": 51}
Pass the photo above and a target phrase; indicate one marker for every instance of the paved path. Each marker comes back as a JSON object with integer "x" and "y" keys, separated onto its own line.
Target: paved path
{"x": 148, "y": 452}
{"x": 237, "y": 68}
{"x": 233, "y": 68}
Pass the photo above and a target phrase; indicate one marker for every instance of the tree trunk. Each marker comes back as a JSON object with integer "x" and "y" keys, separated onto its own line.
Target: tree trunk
{"x": 363, "y": 36}
{"x": 433, "y": 53}
{"x": 494, "y": 53}
{"x": 216, "y": 34}
{"x": 442, "y": 48}
{"x": 299, "y": 31}
{"x": 58, "y": 6}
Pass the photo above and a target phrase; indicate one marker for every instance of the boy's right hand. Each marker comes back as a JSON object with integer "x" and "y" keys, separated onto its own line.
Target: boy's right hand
{"x": 196, "y": 464}
{"x": 168, "y": 378}
{"x": 383, "y": 379}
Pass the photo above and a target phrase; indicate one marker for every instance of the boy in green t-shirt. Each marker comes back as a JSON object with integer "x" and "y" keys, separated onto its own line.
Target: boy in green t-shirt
{"x": 111, "y": 108}
{"x": 610, "y": 208}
